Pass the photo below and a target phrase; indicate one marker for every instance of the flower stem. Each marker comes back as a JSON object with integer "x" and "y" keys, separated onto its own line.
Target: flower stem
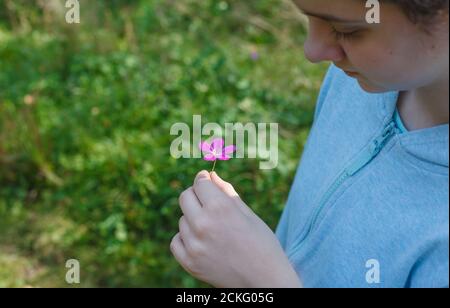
{"x": 214, "y": 166}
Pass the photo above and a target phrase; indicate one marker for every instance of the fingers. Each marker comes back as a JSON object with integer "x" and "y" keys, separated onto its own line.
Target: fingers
{"x": 229, "y": 190}
{"x": 187, "y": 235}
{"x": 226, "y": 187}
{"x": 185, "y": 247}
{"x": 189, "y": 204}
{"x": 208, "y": 193}
{"x": 178, "y": 250}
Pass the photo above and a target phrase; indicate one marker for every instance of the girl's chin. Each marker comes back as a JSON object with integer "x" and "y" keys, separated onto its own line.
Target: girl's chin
{"x": 369, "y": 87}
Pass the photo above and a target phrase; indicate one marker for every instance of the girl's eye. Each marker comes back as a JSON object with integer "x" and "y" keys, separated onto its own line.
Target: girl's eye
{"x": 342, "y": 36}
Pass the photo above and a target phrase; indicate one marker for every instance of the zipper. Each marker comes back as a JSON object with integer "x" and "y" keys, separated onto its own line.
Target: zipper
{"x": 362, "y": 160}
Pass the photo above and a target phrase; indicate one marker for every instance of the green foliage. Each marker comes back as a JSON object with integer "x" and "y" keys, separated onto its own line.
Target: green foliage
{"x": 85, "y": 115}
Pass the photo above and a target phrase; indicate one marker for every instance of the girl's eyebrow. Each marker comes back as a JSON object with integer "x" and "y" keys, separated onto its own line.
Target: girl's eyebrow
{"x": 332, "y": 18}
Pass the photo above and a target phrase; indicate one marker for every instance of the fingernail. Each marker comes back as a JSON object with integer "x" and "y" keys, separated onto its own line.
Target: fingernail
{"x": 203, "y": 174}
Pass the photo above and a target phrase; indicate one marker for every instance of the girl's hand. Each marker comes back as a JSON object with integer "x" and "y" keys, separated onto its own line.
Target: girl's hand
{"x": 222, "y": 242}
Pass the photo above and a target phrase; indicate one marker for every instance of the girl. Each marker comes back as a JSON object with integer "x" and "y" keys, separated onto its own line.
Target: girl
{"x": 369, "y": 203}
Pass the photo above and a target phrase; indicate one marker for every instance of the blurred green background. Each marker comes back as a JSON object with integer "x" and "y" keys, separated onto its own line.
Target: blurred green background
{"x": 85, "y": 115}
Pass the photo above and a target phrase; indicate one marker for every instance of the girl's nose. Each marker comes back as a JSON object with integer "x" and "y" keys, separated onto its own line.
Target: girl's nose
{"x": 321, "y": 45}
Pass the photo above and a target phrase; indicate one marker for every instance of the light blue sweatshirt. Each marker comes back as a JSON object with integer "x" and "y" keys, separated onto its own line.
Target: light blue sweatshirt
{"x": 369, "y": 206}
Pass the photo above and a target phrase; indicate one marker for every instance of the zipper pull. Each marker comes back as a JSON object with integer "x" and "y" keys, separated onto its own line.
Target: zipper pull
{"x": 373, "y": 149}
{"x": 381, "y": 141}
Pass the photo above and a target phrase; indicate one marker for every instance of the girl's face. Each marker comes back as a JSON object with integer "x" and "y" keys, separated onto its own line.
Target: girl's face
{"x": 394, "y": 55}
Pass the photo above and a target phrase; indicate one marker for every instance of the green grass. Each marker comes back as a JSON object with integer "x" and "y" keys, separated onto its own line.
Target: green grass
{"x": 85, "y": 115}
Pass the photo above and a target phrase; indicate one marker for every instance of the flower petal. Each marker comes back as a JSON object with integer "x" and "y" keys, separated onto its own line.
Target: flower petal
{"x": 205, "y": 147}
{"x": 209, "y": 157}
{"x": 217, "y": 145}
{"x": 224, "y": 157}
{"x": 229, "y": 149}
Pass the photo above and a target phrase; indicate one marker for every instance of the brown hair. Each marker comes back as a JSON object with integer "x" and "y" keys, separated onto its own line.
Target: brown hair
{"x": 422, "y": 11}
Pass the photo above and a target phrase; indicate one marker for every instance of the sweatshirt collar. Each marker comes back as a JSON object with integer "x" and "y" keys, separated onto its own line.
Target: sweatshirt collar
{"x": 429, "y": 145}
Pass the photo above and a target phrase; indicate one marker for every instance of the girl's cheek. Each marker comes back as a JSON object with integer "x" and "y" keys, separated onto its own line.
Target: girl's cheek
{"x": 367, "y": 59}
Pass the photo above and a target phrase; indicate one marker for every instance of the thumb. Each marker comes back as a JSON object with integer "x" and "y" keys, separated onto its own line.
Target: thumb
{"x": 224, "y": 186}
{"x": 228, "y": 189}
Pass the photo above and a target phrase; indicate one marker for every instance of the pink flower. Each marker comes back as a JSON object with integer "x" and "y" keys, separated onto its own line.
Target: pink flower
{"x": 254, "y": 55}
{"x": 216, "y": 150}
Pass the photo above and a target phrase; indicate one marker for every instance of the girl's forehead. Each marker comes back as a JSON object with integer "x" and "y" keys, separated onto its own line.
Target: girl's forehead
{"x": 335, "y": 10}
{"x": 341, "y": 5}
